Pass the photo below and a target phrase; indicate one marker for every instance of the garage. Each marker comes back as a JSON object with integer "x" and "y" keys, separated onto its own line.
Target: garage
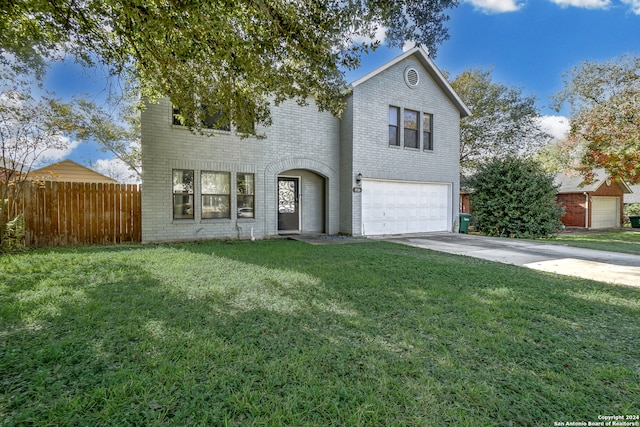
{"x": 399, "y": 207}
{"x": 605, "y": 212}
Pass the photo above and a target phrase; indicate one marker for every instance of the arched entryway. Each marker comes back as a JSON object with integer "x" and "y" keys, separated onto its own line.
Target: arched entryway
{"x": 317, "y": 193}
{"x": 301, "y": 202}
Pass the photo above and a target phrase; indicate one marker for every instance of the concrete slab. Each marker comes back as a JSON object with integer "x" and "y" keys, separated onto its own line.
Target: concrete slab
{"x": 610, "y": 267}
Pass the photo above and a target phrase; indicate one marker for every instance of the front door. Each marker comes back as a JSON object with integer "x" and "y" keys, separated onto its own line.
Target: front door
{"x": 288, "y": 205}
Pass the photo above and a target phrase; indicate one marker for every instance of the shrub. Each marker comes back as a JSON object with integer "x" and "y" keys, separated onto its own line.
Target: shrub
{"x": 632, "y": 209}
{"x": 11, "y": 238}
{"x": 514, "y": 197}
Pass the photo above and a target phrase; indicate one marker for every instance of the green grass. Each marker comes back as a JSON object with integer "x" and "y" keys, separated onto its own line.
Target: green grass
{"x": 283, "y": 333}
{"x": 614, "y": 241}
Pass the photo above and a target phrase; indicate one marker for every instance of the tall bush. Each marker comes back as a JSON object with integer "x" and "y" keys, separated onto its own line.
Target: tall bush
{"x": 514, "y": 197}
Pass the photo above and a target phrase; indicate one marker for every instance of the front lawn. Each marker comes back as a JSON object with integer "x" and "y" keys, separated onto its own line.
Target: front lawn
{"x": 614, "y": 241}
{"x": 284, "y": 333}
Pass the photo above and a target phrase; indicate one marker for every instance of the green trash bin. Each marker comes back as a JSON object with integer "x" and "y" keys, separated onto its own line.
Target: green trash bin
{"x": 465, "y": 219}
{"x": 635, "y": 221}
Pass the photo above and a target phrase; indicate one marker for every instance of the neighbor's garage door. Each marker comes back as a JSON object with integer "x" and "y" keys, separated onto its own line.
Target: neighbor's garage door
{"x": 396, "y": 207}
{"x": 605, "y": 212}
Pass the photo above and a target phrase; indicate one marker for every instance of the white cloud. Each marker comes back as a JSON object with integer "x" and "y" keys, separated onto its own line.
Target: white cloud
{"x": 117, "y": 170}
{"x": 408, "y": 45}
{"x": 634, "y": 4}
{"x": 586, "y": 4}
{"x": 62, "y": 150}
{"x": 496, "y": 6}
{"x": 556, "y": 126}
{"x": 379, "y": 35}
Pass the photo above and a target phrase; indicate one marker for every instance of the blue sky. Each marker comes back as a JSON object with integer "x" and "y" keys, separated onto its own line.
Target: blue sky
{"x": 527, "y": 43}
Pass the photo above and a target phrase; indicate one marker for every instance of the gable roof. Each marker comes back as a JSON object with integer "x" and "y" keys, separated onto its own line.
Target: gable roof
{"x": 634, "y": 197}
{"x": 423, "y": 56}
{"x": 69, "y": 171}
{"x": 11, "y": 169}
{"x": 573, "y": 183}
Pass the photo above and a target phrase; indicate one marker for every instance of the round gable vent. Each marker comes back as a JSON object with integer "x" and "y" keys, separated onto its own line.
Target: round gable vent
{"x": 411, "y": 77}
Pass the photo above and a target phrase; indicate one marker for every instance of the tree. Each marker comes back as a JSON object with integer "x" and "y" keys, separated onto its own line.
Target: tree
{"x": 514, "y": 197}
{"x": 233, "y": 57}
{"x": 559, "y": 155}
{"x": 115, "y": 126}
{"x": 504, "y": 122}
{"x": 28, "y": 128}
{"x": 605, "y": 124}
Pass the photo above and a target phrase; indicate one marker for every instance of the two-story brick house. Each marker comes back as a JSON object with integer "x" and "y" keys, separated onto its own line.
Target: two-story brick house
{"x": 389, "y": 165}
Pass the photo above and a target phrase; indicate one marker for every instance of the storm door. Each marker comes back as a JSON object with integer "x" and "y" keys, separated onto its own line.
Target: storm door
{"x": 288, "y": 205}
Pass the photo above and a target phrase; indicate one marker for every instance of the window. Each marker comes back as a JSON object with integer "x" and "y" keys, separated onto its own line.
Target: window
{"x": 394, "y": 129}
{"x": 411, "y": 135}
{"x": 182, "y": 194}
{"x": 209, "y": 121}
{"x": 216, "y": 197}
{"x": 246, "y": 115}
{"x": 427, "y": 131}
{"x": 245, "y": 195}
{"x": 214, "y": 121}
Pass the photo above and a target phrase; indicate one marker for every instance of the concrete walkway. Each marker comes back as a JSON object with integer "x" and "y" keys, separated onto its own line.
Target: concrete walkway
{"x": 603, "y": 266}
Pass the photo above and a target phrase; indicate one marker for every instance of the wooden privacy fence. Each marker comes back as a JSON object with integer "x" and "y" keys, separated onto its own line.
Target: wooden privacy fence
{"x": 77, "y": 213}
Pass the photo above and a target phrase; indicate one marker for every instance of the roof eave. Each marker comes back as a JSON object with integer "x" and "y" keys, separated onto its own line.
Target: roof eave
{"x": 423, "y": 55}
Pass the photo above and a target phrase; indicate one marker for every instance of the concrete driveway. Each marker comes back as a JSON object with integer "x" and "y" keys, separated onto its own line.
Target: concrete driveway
{"x": 603, "y": 266}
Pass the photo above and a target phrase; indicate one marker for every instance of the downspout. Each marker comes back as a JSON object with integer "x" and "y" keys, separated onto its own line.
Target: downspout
{"x": 586, "y": 211}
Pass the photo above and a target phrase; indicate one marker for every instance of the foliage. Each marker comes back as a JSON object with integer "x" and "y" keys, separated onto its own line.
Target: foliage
{"x": 514, "y": 197}
{"x": 115, "y": 126}
{"x": 559, "y": 156}
{"x": 13, "y": 235}
{"x": 29, "y": 127}
{"x": 284, "y": 333}
{"x": 230, "y": 56}
{"x": 606, "y": 116}
{"x": 503, "y": 122}
{"x": 631, "y": 209}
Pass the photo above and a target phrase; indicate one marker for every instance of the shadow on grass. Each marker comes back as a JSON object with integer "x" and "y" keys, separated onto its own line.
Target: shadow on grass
{"x": 282, "y": 333}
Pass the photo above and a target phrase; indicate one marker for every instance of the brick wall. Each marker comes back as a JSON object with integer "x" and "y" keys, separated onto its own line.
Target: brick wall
{"x": 372, "y": 155}
{"x": 300, "y": 138}
{"x": 576, "y": 208}
{"x": 324, "y": 151}
{"x": 575, "y": 205}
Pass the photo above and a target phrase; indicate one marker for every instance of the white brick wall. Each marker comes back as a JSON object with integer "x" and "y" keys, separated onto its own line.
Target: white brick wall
{"x": 300, "y": 138}
{"x": 324, "y": 151}
{"x": 372, "y": 155}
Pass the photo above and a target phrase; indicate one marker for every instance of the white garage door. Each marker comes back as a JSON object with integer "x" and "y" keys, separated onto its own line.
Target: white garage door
{"x": 396, "y": 207}
{"x": 605, "y": 212}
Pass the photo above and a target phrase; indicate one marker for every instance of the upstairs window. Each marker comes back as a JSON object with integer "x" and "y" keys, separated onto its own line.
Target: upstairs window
{"x": 216, "y": 197}
{"x": 394, "y": 128}
{"x": 427, "y": 131}
{"x": 411, "y": 135}
{"x": 214, "y": 121}
{"x": 209, "y": 121}
{"x": 182, "y": 194}
{"x": 246, "y": 195}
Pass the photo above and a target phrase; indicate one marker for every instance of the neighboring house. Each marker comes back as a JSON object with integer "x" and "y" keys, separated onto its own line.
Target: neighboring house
{"x": 10, "y": 169}
{"x": 4, "y": 173}
{"x": 634, "y": 196}
{"x": 389, "y": 165}
{"x": 465, "y": 198}
{"x": 68, "y": 171}
{"x": 596, "y": 205}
